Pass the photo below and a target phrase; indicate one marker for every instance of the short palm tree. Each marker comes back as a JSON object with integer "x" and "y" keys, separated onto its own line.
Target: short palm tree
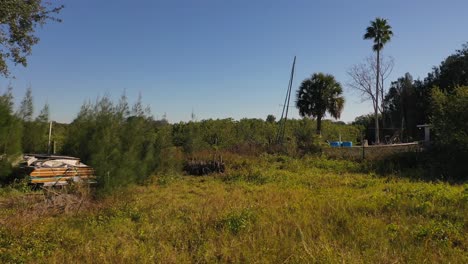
{"x": 381, "y": 32}
{"x": 320, "y": 94}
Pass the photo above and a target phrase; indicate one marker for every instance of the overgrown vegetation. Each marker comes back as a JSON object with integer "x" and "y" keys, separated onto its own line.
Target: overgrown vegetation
{"x": 450, "y": 125}
{"x": 10, "y": 135}
{"x": 269, "y": 209}
{"x": 127, "y": 145}
{"x": 408, "y": 102}
{"x": 123, "y": 145}
{"x": 268, "y": 199}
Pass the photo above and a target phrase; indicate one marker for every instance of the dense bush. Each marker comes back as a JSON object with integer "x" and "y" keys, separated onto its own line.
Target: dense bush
{"x": 229, "y": 134}
{"x": 450, "y": 126}
{"x": 122, "y": 145}
{"x": 127, "y": 145}
{"x": 10, "y": 135}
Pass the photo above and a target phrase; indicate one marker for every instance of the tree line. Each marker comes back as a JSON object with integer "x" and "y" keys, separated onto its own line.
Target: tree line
{"x": 409, "y": 102}
{"x": 436, "y": 101}
{"x": 19, "y": 131}
{"x": 440, "y": 101}
{"x": 125, "y": 143}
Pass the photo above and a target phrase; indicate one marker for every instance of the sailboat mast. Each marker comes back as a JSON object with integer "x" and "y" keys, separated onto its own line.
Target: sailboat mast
{"x": 284, "y": 114}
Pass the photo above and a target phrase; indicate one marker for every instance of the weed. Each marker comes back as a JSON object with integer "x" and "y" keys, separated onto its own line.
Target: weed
{"x": 237, "y": 221}
{"x": 267, "y": 209}
{"x": 253, "y": 177}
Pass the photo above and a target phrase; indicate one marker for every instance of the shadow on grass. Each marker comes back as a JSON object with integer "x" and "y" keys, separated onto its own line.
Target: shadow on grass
{"x": 420, "y": 166}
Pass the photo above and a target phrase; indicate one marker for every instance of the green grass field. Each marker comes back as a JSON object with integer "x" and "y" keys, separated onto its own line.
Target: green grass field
{"x": 268, "y": 209}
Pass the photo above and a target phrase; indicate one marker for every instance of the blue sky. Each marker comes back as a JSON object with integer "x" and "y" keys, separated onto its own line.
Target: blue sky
{"x": 224, "y": 58}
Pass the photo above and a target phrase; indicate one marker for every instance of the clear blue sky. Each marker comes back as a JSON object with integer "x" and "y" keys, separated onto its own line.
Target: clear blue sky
{"x": 224, "y": 58}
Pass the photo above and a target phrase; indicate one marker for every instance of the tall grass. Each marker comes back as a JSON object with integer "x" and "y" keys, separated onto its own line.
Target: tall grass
{"x": 268, "y": 209}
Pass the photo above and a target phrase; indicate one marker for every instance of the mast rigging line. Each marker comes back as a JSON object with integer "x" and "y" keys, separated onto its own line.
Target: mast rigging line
{"x": 284, "y": 113}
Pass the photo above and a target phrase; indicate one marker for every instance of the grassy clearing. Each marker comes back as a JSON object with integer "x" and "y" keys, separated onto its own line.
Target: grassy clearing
{"x": 267, "y": 209}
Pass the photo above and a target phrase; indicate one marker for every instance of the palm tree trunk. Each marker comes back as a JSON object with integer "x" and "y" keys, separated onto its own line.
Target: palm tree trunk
{"x": 377, "y": 139}
{"x": 382, "y": 102}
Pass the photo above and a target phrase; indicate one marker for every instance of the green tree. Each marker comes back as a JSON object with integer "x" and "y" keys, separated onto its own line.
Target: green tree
{"x": 452, "y": 72}
{"x": 10, "y": 126}
{"x": 10, "y": 134}
{"x": 320, "y": 94}
{"x": 137, "y": 108}
{"x": 18, "y": 21}
{"x": 380, "y": 32}
{"x": 44, "y": 114}
{"x": 26, "y": 108}
{"x": 449, "y": 119}
{"x": 25, "y": 113}
{"x": 121, "y": 145}
{"x": 366, "y": 124}
{"x": 401, "y": 106}
{"x": 271, "y": 119}
{"x": 41, "y": 130}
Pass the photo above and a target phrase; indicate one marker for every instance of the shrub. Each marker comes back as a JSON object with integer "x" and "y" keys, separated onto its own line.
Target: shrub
{"x": 450, "y": 126}
{"x": 122, "y": 145}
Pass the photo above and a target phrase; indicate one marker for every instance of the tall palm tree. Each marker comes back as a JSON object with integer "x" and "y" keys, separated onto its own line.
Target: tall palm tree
{"x": 319, "y": 94}
{"x": 381, "y": 33}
